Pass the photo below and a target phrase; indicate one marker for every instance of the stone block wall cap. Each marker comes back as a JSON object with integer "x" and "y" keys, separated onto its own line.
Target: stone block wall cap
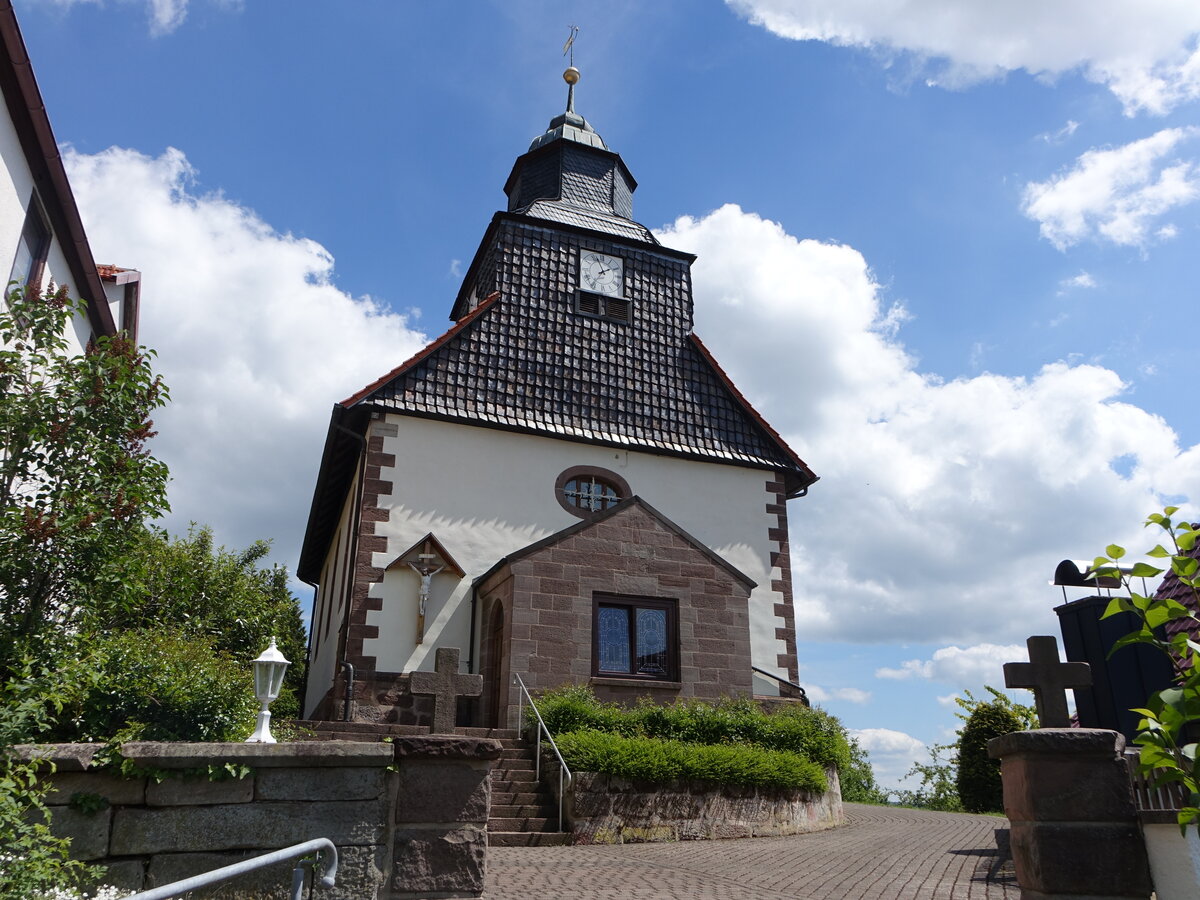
{"x": 65, "y": 757}
{"x": 1057, "y": 742}
{"x": 307, "y": 754}
{"x": 446, "y": 746}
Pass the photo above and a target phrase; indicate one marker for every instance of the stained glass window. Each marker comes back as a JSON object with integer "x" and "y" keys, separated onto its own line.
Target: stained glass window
{"x": 635, "y": 637}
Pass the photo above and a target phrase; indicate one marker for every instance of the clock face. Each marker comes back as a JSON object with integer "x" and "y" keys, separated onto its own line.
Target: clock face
{"x": 600, "y": 273}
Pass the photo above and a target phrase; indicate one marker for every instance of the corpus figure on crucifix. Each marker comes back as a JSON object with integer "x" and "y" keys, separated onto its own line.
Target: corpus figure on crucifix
{"x": 425, "y": 571}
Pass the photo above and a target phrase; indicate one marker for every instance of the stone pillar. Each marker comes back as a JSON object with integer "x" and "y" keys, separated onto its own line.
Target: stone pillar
{"x": 442, "y": 804}
{"x": 1075, "y": 831}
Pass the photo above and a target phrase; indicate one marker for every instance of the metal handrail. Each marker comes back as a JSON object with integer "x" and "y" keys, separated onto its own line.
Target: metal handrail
{"x": 803, "y": 693}
{"x": 537, "y": 749}
{"x": 319, "y": 846}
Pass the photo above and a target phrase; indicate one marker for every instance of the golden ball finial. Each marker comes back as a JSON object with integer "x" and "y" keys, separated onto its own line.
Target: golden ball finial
{"x": 571, "y": 76}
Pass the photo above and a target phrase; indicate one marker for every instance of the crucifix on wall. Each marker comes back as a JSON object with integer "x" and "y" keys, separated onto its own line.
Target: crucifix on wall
{"x": 426, "y": 558}
{"x": 424, "y": 567}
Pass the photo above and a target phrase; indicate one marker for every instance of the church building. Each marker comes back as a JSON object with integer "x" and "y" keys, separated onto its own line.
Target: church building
{"x": 565, "y": 486}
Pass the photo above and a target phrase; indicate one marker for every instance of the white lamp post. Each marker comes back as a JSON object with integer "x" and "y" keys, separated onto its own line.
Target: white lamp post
{"x": 268, "y": 679}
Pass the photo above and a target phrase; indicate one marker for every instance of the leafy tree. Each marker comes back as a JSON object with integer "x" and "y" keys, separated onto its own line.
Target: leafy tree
{"x": 938, "y": 790}
{"x": 858, "y": 778}
{"x": 76, "y": 478}
{"x": 222, "y": 598}
{"x": 978, "y": 777}
{"x": 940, "y": 777}
{"x": 1170, "y": 717}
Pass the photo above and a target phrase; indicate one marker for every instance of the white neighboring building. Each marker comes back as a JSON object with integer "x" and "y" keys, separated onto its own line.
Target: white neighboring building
{"x": 40, "y": 228}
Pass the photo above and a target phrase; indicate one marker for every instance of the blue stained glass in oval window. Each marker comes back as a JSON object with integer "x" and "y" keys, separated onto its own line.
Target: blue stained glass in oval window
{"x": 614, "y": 639}
{"x": 652, "y": 642}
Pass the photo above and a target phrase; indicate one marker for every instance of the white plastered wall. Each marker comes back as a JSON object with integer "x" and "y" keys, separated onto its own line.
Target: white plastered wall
{"x": 486, "y": 493}
{"x": 16, "y": 189}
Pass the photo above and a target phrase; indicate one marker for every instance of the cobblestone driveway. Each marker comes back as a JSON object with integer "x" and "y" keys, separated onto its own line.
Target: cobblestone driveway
{"x": 880, "y": 854}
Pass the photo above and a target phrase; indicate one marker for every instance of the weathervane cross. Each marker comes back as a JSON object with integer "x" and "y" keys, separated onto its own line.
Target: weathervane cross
{"x": 570, "y": 44}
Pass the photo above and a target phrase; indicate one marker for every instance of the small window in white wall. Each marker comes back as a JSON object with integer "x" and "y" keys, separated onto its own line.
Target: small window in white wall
{"x": 32, "y": 248}
{"x": 584, "y": 490}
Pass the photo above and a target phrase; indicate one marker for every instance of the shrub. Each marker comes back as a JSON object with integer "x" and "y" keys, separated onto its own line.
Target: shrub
{"x": 810, "y": 734}
{"x": 655, "y": 760}
{"x": 979, "y": 785}
{"x": 159, "y": 686}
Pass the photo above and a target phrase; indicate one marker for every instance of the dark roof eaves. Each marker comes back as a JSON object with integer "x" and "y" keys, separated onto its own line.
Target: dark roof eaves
{"x": 329, "y": 490}
{"x": 425, "y": 352}
{"x": 676, "y": 452}
{"x": 32, "y": 124}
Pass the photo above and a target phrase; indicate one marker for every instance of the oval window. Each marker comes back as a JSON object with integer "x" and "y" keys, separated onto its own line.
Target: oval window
{"x": 583, "y": 491}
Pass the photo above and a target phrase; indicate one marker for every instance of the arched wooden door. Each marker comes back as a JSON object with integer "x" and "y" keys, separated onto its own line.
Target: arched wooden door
{"x": 493, "y": 652}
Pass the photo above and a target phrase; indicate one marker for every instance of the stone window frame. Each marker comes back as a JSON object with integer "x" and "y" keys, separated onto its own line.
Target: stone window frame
{"x": 632, "y": 603}
{"x": 605, "y": 476}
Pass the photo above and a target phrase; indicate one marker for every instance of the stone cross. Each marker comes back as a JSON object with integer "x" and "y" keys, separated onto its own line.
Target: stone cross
{"x": 447, "y": 686}
{"x": 1048, "y": 679}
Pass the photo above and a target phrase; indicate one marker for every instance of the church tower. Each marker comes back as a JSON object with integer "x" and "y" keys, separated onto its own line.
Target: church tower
{"x": 565, "y": 485}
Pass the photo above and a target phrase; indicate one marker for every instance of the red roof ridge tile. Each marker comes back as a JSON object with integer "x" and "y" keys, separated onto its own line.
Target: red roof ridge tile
{"x": 754, "y": 413}
{"x": 425, "y": 351}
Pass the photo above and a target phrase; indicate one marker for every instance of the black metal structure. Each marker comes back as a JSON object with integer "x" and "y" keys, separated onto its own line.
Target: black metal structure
{"x": 1120, "y": 682}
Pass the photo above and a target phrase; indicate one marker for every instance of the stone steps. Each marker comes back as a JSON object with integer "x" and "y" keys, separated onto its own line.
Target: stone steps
{"x": 535, "y": 810}
{"x": 523, "y": 813}
{"x": 528, "y": 839}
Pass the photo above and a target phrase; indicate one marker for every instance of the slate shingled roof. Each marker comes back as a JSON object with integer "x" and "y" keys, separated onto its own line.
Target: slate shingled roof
{"x": 564, "y": 376}
{"x": 568, "y": 214}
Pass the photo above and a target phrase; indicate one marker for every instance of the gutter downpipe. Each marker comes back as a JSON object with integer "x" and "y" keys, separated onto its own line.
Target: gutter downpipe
{"x": 348, "y": 667}
{"x": 471, "y": 640}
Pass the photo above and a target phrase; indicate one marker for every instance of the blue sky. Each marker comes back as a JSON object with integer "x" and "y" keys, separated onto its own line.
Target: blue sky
{"x": 950, "y": 252}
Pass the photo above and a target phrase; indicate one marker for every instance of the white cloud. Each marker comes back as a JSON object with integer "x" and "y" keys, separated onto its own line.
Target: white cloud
{"x": 1082, "y": 280}
{"x": 892, "y": 753}
{"x": 1057, "y": 137}
{"x": 818, "y": 694}
{"x": 164, "y": 16}
{"x": 943, "y": 506}
{"x": 1146, "y": 53}
{"x": 254, "y": 340}
{"x": 1115, "y": 194}
{"x": 968, "y": 667}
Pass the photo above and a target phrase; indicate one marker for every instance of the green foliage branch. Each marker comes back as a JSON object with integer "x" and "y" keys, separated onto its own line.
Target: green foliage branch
{"x": 76, "y": 477}
{"x": 1167, "y": 729}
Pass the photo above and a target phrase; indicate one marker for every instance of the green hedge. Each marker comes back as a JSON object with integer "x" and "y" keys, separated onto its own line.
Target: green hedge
{"x": 651, "y": 759}
{"x": 811, "y": 732}
{"x": 811, "y": 737}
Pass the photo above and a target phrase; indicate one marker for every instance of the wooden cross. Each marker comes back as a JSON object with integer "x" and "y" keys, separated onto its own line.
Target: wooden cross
{"x": 1048, "y": 679}
{"x": 447, "y": 686}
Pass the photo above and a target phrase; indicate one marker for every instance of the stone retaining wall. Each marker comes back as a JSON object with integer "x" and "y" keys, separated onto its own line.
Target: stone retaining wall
{"x": 409, "y": 818}
{"x": 606, "y": 809}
